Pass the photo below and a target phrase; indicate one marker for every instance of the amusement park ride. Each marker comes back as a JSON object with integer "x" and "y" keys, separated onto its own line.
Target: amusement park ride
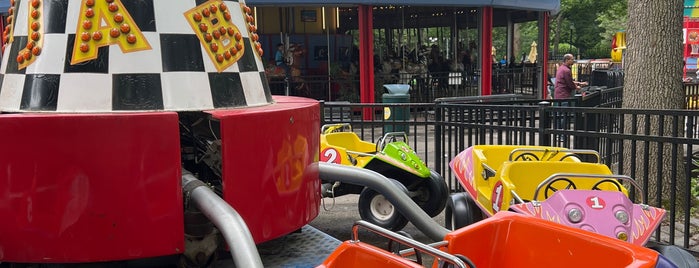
{"x": 141, "y": 132}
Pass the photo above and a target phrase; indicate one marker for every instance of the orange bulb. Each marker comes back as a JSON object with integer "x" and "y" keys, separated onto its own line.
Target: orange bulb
{"x": 87, "y": 24}
{"x": 97, "y": 36}
{"x": 89, "y": 13}
{"x": 114, "y": 32}
{"x": 36, "y": 51}
{"x": 85, "y": 36}
{"x": 125, "y": 28}
{"x": 131, "y": 38}
{"x": 113, "y": 7}
{"x": 84, "y": 47}
{"x": 118, "y": 18}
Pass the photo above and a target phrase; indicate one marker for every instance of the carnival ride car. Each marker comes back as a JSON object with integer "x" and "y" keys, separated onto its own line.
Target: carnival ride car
{"x": 390, "y": 156}
{"x": 551, "y": 183}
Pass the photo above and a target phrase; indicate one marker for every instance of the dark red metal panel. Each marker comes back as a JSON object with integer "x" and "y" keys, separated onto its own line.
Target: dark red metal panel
{"x": 270, "y": 156}
{"x": 486, "y": 50}
{"x": 366, "y": 58}
{"x": 89, "y": 187}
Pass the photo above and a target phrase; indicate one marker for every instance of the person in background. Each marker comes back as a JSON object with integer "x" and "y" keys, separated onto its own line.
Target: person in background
{"x": 565, "y": 88}
{"x": 280, "y": 60}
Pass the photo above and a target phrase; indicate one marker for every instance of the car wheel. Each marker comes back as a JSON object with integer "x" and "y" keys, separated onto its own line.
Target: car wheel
{"x": 461, "y": 211}
{"x": 432, "y": 194}
{"x": 678, "y": 256}
{"x": 376, "y": 209}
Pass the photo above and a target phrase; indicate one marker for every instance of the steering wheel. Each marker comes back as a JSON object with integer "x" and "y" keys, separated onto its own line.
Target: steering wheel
{"x": 569, "y": 155}
{"x": 614, "y": 182}
{"x": 549, "y": 186}
{"x": 527, "y": 157}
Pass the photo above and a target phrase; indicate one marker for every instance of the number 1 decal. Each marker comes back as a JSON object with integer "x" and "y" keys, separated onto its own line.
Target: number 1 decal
{"x": 497, "y": 197}
{"x": 596, "y": 202}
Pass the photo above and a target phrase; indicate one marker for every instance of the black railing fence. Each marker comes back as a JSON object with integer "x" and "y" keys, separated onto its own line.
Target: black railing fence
{"x": 425, "y": 87}
{"x": 439, "y": 131}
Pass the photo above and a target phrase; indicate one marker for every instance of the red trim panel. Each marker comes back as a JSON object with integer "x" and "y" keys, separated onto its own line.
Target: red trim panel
{"x": 486, "y": 50}
{"x": 270, "y": 156}
{"x": 89, "y": 187}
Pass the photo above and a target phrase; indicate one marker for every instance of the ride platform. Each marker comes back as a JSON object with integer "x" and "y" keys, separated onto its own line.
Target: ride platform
{"x": 308, "y": 247}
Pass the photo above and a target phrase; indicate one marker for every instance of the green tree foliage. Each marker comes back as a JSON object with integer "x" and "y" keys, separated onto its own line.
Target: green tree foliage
{"x": 613, "y": 20}
{"x": 587, "y": 24}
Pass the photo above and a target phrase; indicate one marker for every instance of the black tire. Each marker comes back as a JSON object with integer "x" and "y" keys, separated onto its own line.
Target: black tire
{"x": 385, "y": 215}
{"x": 461, "y": 211}
{"x": 433, "y": 194}
{"x": 678, "y": 256}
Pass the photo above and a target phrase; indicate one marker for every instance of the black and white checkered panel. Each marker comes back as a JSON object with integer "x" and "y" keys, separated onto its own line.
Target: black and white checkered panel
{"x": 175, "y": 75}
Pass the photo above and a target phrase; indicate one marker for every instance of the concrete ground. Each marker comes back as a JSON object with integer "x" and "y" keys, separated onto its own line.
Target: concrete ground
{"x": 337, "y": 219}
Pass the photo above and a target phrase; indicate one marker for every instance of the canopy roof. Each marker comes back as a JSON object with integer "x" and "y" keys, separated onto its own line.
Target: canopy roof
{"x": 539, "y": 5}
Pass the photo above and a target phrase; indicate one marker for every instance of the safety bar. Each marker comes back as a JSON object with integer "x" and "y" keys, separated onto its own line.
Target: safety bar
{"x": 555, "y": 152}
{"x": 346, "y": 127}
{"x": 382, "y": 141}
{"x": 585, "y": 176}
{"x": 411, "y": 243}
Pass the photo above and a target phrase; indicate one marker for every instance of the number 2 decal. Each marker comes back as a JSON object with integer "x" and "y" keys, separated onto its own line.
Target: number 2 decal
{"x": 330, "y": 155}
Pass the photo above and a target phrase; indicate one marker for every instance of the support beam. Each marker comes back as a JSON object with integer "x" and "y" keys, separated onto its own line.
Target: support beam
{"x": 366, "y": 58}
{"x": 543, "y": 54}
{"x": 486, "y": 33}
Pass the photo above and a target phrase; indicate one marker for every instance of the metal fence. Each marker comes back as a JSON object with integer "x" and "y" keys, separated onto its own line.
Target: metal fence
{"x": 439, "y": 131}
{"x": 424, "y": 86}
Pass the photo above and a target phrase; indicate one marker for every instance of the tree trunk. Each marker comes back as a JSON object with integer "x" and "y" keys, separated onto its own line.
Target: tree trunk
{"x": 653, "y": 80}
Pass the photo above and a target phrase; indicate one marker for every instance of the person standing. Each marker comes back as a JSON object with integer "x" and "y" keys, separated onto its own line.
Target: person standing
{"x": 565, "y": 88}
{"x": 280, "y": 60}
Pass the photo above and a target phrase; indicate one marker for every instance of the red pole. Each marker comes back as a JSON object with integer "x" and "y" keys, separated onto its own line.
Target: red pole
{"x": 366, "y": 58}
{"x": 486, "y": 50}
